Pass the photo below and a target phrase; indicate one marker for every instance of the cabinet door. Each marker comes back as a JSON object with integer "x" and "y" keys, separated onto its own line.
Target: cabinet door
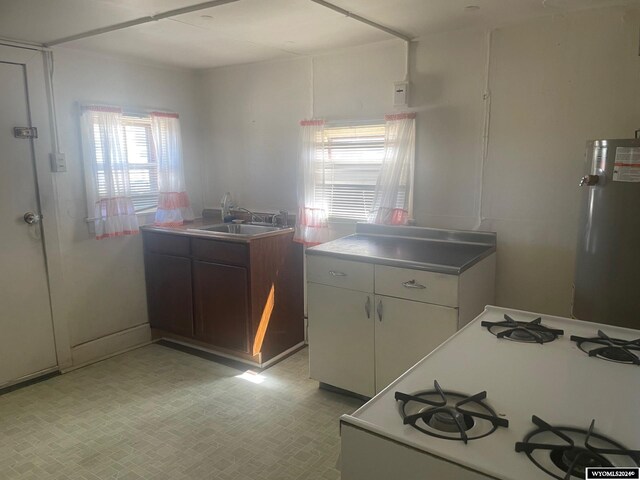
{"x": 341, "y": 338}
{"x": 169, "y": 296}
{"x": 220, "y": 295}
{"x": 405, "y": 332}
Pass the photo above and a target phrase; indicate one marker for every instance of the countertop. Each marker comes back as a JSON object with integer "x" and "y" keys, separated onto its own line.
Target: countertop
{"x": 190, "y": 229}
{"x": 435, "y": 250}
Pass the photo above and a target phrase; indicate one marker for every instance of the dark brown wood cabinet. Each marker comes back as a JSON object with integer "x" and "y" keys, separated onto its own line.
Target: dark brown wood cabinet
{"x": 169, "y": 293}
{"x": 243, "y": 299}
{"x": 221, "y": 300}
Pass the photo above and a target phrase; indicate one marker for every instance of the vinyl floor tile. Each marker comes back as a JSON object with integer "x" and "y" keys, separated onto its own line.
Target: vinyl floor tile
{"x": 157, "y": 413}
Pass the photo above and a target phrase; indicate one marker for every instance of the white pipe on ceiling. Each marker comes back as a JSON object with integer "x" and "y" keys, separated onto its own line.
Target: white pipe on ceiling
{"x": 366, "y": 21}
{"x": 140, "y": 21}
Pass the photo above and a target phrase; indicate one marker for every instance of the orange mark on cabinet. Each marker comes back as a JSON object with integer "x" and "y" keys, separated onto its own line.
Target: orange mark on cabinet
{"x": 264, "y": 320}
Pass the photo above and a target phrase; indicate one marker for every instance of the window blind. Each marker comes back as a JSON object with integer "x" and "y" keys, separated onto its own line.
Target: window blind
{"x": 347, "y": 169}
{"x": 143, "y": 167}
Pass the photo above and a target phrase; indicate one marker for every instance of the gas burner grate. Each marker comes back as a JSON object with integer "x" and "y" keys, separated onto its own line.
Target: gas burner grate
{"x": 449, "y": 415}
{"x": 525, "y": 332}
{"x": 577, "y": 450}
{"x": 611, "y": 349}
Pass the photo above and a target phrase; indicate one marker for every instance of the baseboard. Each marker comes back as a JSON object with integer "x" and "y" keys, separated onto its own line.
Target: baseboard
{"x": 240, "y": 365}
{"x": 224, "y": 358}
{"x": 283, "y": 355}
{"x": 29, "y": 380}
{"x": 108, "y": 346}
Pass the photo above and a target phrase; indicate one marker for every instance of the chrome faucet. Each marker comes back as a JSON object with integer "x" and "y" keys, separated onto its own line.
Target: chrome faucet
{"x": 255, "y": 218}
{"x": 284, "y": 214}
{"x": 226, "y": 205}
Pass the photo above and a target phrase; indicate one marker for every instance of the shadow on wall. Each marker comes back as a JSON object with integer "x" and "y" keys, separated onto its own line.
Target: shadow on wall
{"x": 542, "y": 261}
{"x": 430, "y": 92}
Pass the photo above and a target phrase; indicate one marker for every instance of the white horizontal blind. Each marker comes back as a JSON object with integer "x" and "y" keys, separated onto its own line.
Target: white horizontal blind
{"x": 347, "y": 172}
{"x": 143, "y": 167}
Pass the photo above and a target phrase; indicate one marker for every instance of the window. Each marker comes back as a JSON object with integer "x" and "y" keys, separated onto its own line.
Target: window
{"x": 142, "y": 162}
{"x": 346, "y": 178}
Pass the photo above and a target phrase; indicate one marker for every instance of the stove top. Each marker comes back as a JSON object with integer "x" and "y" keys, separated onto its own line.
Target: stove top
{"x": 556, "y": 381}
{"x": 449, "y": 415}
{"x": 525, "y": 332}
{"x": 565, "y": 452}
{"x": 611, "y": 349}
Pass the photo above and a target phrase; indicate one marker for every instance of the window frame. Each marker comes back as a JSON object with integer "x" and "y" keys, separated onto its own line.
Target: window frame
{"x": 90, "y": 170}
{"x": 355, "y": 124}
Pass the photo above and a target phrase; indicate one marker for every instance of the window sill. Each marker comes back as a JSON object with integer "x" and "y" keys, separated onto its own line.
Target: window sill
{"x": 145, "y": 217}
{"x": 344, "y": 221}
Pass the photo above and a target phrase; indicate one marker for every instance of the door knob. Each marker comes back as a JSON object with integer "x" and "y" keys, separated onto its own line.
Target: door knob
{"x": 32, "y": 218}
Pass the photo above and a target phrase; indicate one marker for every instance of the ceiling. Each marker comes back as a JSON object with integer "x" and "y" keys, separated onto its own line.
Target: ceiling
{"x": 255, "y": 30}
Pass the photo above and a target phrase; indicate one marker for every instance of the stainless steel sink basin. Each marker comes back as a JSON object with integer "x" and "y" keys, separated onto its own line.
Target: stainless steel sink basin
{"x": 238, "y": 229}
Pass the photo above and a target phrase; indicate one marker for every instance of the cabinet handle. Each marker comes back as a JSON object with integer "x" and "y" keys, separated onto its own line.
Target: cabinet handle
{"x": 379, "y": 310}
{"x": 413, "y": 284}
{"x": 337, "y": 274}
{"x": 367, "y": 307}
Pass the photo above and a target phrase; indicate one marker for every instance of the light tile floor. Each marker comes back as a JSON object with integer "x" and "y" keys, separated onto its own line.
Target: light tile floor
{"x": 156, "y": 413}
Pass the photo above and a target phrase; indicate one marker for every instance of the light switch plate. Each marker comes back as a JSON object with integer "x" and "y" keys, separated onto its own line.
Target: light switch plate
{"x": 58, "y": 162}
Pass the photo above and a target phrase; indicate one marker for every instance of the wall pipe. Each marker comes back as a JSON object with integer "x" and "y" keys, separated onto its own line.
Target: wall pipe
{"x": 140, "y": 21}
{"x": 366, "y": 21}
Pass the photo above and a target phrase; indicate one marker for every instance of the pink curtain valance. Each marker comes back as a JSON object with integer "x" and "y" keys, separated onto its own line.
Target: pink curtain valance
{"x": 311, "y": 123}
{"x": 400, "y": 116}
{"x": 101, "y": 108}
{"x": 165, "y": 114}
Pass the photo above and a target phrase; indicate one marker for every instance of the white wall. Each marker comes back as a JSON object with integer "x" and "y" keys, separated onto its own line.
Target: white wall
{"x": 104, "y": 280}
{"x": 555, "y": 83}
{"x": 250, "y": 144}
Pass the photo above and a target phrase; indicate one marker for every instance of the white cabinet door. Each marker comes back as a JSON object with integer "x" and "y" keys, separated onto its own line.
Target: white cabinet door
{"x": 341, "y": 338}
{"x": 405, "y": 332}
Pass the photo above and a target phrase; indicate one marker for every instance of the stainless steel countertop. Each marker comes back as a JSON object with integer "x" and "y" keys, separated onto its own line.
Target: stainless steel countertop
{"x": 190, "y": 229}
{"x": 412, "y": 247}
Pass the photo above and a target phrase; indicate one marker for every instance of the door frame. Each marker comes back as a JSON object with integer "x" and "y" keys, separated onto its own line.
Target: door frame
{"x": 38, "y": 88}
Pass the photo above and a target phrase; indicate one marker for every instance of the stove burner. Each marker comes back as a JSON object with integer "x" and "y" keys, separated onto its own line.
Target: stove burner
{"x": 575, "y": 460}
{"x": 568, "y": 459}
{"x": 611, "y": 349}
{"x": 449, "y": 415}
{"x": 526, "y": 332}
{"x": 449, "y": 420}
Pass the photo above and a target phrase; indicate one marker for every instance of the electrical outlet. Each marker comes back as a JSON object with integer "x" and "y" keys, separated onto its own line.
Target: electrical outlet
{"x": 58, "y": 162}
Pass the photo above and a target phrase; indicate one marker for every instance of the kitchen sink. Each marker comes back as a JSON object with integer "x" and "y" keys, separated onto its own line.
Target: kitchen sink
{"x": 238, "y": 229}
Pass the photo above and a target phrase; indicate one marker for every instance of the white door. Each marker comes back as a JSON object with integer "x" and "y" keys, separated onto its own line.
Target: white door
{"x": 341, "y": 338}
{"x": 405, "y": 332}
{"x": 26, "y": 331}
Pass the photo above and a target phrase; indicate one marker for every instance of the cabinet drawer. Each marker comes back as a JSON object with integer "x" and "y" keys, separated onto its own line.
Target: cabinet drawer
{"x": 220, "y": 252}
{"x": 417, "y": 285}
{"x": 166, "y": 243}
{"x": 340, "y": 273}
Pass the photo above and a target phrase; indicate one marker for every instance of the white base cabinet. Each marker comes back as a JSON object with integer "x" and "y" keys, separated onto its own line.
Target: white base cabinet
{"x": 369, "y": 323}
{"x": 405, "y": 331}
{"x": 341, "y": 338}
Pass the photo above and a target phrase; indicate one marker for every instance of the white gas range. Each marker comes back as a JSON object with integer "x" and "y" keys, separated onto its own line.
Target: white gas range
{"x": 542, "y": 388}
